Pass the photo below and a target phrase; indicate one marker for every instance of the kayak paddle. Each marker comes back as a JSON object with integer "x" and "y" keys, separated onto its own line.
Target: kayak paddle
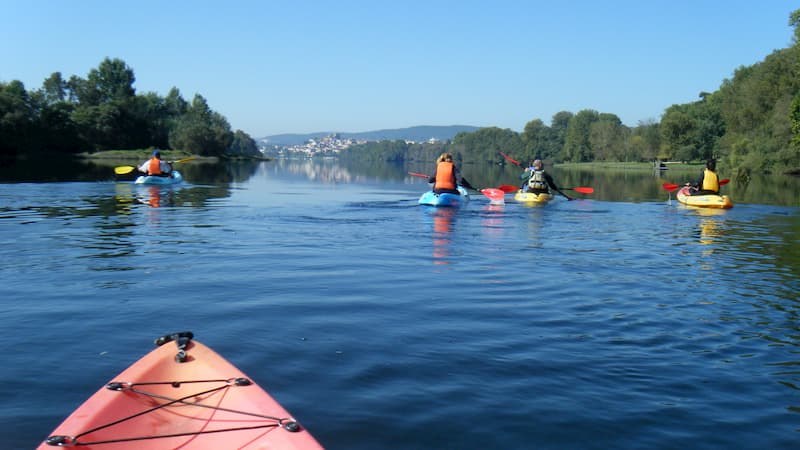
{"x": 582, "y": 190}
{"x": 510, "y": 159}
{"x": 669, "y": 187}
{"x": 122, "y": 170}
{"x": 495, "y": 195}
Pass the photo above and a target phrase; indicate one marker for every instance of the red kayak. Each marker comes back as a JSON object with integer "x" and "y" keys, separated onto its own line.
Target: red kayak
{"x": 181, "y": 397}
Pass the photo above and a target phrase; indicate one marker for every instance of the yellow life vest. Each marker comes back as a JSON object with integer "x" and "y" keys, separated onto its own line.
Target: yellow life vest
{"x": 710, "y": 181}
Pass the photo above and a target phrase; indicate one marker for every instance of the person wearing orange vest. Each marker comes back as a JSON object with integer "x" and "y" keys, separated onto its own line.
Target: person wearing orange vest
{"x": 156, "y": 167}
{"x": 708, "y": 183}
{"x": 447, "y": 177}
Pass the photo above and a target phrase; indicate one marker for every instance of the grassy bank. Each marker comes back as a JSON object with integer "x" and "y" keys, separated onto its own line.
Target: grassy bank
{"x": 140, "y": 154}
{"x": 169, "y": 155}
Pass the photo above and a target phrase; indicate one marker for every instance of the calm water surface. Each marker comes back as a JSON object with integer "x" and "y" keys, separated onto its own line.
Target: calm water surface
{"x": 382, "y": 324}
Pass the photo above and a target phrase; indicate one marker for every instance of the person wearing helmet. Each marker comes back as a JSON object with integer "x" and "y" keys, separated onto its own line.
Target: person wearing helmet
{"x": 155, "y": 166}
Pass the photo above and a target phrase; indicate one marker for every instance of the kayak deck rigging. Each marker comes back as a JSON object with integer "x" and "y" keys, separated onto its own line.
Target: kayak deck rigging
{"x": 152, "y": 398}
{"x": 287, "y": 423}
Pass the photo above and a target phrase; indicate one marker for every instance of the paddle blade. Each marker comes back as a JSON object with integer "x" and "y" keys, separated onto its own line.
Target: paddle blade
{"x": 584, "y": 190}
{"x": 122, "y": 170}
{"x": 510, "y": 159}
{"x": 495, "y": 195}
{"x": 183, "y": 160}
{"x": 421, "y": 175}
{"x": 669, "y": 187}
{"x": 507, "y": 188}
{"x": 724, "y": 182}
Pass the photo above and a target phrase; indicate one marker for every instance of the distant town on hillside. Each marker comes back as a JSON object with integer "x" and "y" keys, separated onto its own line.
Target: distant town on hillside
{"x": 330, "y": 142}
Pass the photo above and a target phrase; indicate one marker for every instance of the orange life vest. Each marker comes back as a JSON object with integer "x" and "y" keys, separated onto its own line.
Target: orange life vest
{"x": 445, "y": 177}
{"x": 154, "y": 168}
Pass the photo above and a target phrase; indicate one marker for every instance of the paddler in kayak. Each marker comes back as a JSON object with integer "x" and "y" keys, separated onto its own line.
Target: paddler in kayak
{"x": 537, "y": 181}
{"x": 447, "y": 177}
{"x": 708, "y": 183}
{"x": 156, "y": 167}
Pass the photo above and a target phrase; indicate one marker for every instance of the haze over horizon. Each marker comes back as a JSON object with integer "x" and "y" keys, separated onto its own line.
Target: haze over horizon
{"x": 355, "y": 66}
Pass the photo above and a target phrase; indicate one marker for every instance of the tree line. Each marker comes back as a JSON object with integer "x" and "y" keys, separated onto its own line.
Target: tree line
{"x": 751, "y": 123}
{"x": 104, "y": 112}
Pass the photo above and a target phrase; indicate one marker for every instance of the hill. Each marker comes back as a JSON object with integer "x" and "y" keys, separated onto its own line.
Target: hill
{"x": 418, "y": 133}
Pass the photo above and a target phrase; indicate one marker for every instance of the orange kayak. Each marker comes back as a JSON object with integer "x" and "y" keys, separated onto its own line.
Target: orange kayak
{"x": 181, "y": 395}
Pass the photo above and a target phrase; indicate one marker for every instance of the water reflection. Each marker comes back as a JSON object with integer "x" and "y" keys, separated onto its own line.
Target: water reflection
{"x": 492, "y": 219}
{"x": 155, "y": 196}
{"x": 442, "y": 233}
{"x": 627, "y": 185}
{"x": 710, "y": 225}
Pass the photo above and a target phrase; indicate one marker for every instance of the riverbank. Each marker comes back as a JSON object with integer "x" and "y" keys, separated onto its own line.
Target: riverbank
{"x": 140, "y": 154}
{"x": 169, "y": 155}
{"x": 605, "y": 165}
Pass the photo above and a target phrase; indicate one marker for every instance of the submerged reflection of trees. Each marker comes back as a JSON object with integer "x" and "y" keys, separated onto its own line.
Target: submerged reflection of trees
{"x": 220, "y": 172}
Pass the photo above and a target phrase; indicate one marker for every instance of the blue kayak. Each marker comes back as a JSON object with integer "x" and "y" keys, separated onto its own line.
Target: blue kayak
{"x": 452, "y": 200}
{"x": 151, "y": 179}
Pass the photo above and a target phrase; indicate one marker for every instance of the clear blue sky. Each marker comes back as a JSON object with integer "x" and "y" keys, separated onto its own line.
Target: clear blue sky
{"x": 276, "y": 66}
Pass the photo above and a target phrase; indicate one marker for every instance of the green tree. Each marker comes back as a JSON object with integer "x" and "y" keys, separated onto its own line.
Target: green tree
{"x": 645, "y": 141}
{"x": 16, "y": 118}
{"x": 201, "y": 130}
{"x": 243, "y": 145}
{"x": 57, "y": 130}
{"x": 536, "y": 138}
{"x": 54, "y": 89}
{"x": 794, "y": 113}
{"x": 106, "y": 111}
{"x": 677, "y": 133}
{"x": 112, "y": 80}
{"x": 485, "y": 145}
{"x": 577, "y": 144}
{"x": 794, "y": 22}
{"x": 607, "y": 138}
{"x": 558, "y": 134}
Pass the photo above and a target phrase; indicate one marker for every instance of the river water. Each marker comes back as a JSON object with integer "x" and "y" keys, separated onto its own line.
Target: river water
{"x": 620, "y": 320}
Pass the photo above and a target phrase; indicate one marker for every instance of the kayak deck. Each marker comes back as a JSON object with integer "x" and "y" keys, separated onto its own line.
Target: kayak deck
{"x": 159, "y": 402}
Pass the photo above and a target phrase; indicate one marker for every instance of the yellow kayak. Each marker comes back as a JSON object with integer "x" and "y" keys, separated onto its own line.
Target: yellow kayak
{"x": 704, "y": 201}
{"x": 531, "y": 197}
